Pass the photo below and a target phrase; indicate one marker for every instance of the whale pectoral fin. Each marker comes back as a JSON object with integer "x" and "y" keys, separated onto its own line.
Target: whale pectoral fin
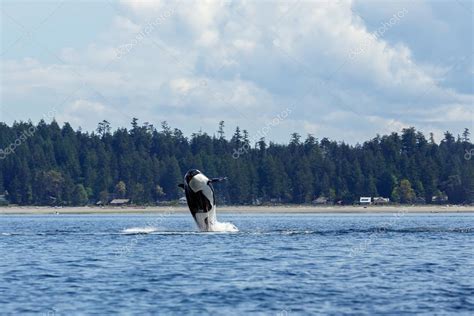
{"x": 181, "y": 185}
{"x": 215, "y": 180}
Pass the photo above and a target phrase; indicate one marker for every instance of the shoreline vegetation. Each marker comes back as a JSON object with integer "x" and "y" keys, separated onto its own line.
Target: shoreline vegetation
{"x": 52, "y": 165}
{"x": 281, "y": 209}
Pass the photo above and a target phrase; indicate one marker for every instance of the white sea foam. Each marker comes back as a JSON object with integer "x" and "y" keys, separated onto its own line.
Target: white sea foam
{"x": 223, "y": 227}
{"x": 139, "y": 230}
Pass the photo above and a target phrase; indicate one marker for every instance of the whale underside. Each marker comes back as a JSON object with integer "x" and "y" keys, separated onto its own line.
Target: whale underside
{"x": 198, "y": 202}
{"x": 200, "y": 206}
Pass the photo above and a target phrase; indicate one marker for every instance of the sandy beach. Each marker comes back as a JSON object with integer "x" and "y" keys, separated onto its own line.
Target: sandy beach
{"x": 290, "y": 209}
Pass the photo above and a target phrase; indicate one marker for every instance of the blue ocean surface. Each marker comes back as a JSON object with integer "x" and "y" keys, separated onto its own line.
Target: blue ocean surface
{"x": 277, "y": 264}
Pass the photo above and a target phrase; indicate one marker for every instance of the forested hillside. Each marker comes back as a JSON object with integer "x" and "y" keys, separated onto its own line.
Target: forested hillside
{"x": 47, "y": 164}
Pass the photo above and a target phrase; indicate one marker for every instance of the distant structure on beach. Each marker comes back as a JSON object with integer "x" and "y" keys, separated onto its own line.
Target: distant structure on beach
{"x": 119, "y": 202}
{"x": 322, "y": 200}
{"x": 366, "y": 200}
{"x": 439, "y": 199}
{"x": 381, "y": 200}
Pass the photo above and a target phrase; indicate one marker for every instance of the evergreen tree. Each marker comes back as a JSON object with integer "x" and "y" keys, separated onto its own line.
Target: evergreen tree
{"x": 386, "y": 183}
{"x": 220, "y": 131}
{"x": 404, "y": 192}
{"x": 121, "y": 189}
{"x": 465, "y": 135}
{"x": 80, "y": 196}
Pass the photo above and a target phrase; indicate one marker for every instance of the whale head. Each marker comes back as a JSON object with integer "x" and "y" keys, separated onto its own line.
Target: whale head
{"x": 191, "y": 174}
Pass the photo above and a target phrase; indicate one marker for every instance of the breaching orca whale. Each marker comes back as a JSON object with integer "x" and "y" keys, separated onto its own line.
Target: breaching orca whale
{"x": 201, "y": 199}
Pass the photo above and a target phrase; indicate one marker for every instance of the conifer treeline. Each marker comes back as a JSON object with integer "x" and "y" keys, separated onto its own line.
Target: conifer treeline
{"x": 46, "y": 164}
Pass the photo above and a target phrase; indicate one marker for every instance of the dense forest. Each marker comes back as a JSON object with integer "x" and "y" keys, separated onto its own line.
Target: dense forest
{"x": 46, "y": 164}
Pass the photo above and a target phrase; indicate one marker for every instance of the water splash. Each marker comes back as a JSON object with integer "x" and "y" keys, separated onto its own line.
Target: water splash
{"x": 223, "y": 227}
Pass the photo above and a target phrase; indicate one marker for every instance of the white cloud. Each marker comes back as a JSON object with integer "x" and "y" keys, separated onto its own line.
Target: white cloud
{"x": 243, "y": 62}
{"x": 124, "y": 24}
{"x": 79, "y": 112}
{"x": 143, "y": 7}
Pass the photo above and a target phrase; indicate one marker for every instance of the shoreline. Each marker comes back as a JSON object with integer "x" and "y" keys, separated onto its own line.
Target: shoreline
{"x": 280, "y": 209}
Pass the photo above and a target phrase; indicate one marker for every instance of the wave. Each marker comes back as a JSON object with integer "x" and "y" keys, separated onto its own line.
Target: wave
{"x": 139, "y": 230}
{"x": 368, "y": 231}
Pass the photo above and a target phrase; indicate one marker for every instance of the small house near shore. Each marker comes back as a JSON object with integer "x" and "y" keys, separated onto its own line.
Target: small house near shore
{"x": 364, "y": 200}
{"x": 381, "y": 200}
{"x": 119, "y": 202}
{"x": 322, "y": 200}
{"x": 439, "y": 199}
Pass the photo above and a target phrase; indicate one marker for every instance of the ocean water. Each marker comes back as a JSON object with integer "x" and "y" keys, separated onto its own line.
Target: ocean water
{"x": 296, "y": 264}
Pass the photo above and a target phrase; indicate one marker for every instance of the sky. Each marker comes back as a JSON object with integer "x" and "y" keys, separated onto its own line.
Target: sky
{"x": 346, "y": 70}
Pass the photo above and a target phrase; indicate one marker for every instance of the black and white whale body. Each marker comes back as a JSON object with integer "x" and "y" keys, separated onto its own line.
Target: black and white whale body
{"x": 201, "y": 201}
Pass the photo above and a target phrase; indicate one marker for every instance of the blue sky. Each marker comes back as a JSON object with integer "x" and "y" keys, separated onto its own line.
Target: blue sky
{"x": 348, "y": 70}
